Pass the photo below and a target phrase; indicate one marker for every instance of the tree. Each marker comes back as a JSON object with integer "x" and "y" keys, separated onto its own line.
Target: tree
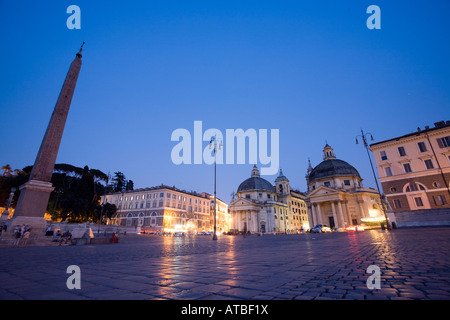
{"x": 119, "y": 182}
{"x": 106, "y": 210}
{"x": 6, "y": 170}
{"x": 76, "y": 193}
{"x": 130, "y": 185}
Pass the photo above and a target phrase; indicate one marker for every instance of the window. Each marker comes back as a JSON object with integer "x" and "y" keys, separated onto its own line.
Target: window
{"x": 443, "y": 142}
{"x": 407, "y": 167}
{"x": 347, "y": 182}
{"x": 401, "y": 151}
{"x": 414, "y": 187}
{"x": 327, "y": 184}
{"x": 418, "y": 201}
{"x": 383, "y": 155}
{"x": 436, "y": 184}
{"x": 388, "y": 171}
{"x": 429, "y": 164}
{"x": 393, "y": 189}
{"x": 397, "y": 204}
{"x": 439, "y": 200}
{"x": 422, "y": 146}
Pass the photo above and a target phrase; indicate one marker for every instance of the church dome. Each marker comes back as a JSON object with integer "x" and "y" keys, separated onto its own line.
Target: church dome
{"x": 331, "y": 168}
{"x": 255, "y": 183}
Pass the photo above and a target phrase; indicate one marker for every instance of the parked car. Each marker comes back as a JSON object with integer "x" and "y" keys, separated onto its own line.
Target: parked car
{"x": 319, "y": 228}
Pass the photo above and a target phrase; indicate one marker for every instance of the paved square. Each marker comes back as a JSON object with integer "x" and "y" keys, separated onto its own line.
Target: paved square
{"x": 414, "y": 264}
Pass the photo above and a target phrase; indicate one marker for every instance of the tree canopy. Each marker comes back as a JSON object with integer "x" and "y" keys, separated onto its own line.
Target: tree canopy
{"x": 76, "y": 197}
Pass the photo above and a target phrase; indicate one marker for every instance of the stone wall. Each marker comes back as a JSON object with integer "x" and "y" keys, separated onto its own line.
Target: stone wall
{"x": 423, "y": 218}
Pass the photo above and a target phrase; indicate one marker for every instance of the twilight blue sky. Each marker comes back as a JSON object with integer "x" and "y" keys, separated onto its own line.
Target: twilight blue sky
{"x": 311, "y": 69}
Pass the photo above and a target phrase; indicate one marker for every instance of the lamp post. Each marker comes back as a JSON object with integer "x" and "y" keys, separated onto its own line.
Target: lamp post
{"x": 363, "y": 136}
{"x": 103, "y": 205}
{"x": 212, "y": 143}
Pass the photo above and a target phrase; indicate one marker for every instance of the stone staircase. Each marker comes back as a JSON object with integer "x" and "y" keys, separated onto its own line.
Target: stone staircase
{"x": 8, "y": 239}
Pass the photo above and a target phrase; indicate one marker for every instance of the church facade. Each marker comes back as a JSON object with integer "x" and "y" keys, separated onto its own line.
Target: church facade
{"x": 258, "y": 206}
{"x": 336, "y": 196}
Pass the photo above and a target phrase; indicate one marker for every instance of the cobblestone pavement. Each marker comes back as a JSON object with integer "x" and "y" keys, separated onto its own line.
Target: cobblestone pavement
{"x": 414, "y": 264}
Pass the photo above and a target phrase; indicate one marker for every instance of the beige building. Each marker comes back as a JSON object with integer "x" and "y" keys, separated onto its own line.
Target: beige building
{"x": 414, "y": 169}
{"x": 223, "y": 218}
{"x": 336, "y": 194}
{"x": 259, "y": 206}
{"x": 162, "y": 209}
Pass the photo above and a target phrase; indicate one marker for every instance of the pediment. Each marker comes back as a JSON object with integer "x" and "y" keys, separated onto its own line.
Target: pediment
{"x": 322, "y": 190}
{"x": 243, "y": 202}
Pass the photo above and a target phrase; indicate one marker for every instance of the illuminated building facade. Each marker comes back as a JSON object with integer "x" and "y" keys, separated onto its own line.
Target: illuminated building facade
{"x": 223, "y": 217}
{"x": 414, "y": 169}
{"x": 259, "y": 206}
{"x": 162, "y": 209}
{"x": 336, "y": 195}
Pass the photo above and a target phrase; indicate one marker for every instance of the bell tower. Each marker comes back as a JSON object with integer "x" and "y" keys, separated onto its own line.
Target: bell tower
{"x": 282, "y": 184}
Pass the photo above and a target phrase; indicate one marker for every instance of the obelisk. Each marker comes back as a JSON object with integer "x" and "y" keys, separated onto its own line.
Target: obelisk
{"x": 34, "y": 194}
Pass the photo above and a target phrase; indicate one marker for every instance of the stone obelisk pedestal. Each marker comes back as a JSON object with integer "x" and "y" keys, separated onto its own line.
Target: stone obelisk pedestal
{"x": 34, "y": 194}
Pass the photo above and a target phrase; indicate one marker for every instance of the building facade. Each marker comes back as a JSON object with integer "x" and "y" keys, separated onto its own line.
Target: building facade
{"x": 414, "y": 169}
{"x": 259, "y": 206}
{"x": 223, "y": 218}
{"x": 164, "y": 209}
{"x": 336, "y": 195}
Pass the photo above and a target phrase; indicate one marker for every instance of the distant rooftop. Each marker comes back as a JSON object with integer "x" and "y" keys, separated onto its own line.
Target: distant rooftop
{"x": 162, "y": 186}
{"x": 437, "y": 126}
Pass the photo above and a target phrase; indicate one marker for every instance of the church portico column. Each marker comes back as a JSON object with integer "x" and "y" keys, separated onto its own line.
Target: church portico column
{"x": 313, "y": 215}
{"x": 347, "y": 210}
{"x": 246, "y": 220}
{"x": 241, "y": 220}
{"x": 361, "y": 209}
{"x": 341, "y": 216}
{"x": 233, "y": 219}
{"x": 319, "y": 214}
{"x": 333, "y": 209}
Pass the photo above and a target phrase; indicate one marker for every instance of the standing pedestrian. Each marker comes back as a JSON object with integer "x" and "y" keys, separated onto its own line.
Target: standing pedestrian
{"x": 25, "y": 237}
{"x": 17, "y": 235}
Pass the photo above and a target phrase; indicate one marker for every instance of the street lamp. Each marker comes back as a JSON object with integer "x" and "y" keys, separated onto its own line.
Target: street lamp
{"x": 212, "y": 143}
{"x": 103, "y": 205}
{"x": 363, "y": 136}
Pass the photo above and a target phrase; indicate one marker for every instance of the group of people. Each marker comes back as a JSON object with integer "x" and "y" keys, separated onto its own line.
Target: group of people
{"x": 21, "y": 235}
{"x": 61, "y": 237}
